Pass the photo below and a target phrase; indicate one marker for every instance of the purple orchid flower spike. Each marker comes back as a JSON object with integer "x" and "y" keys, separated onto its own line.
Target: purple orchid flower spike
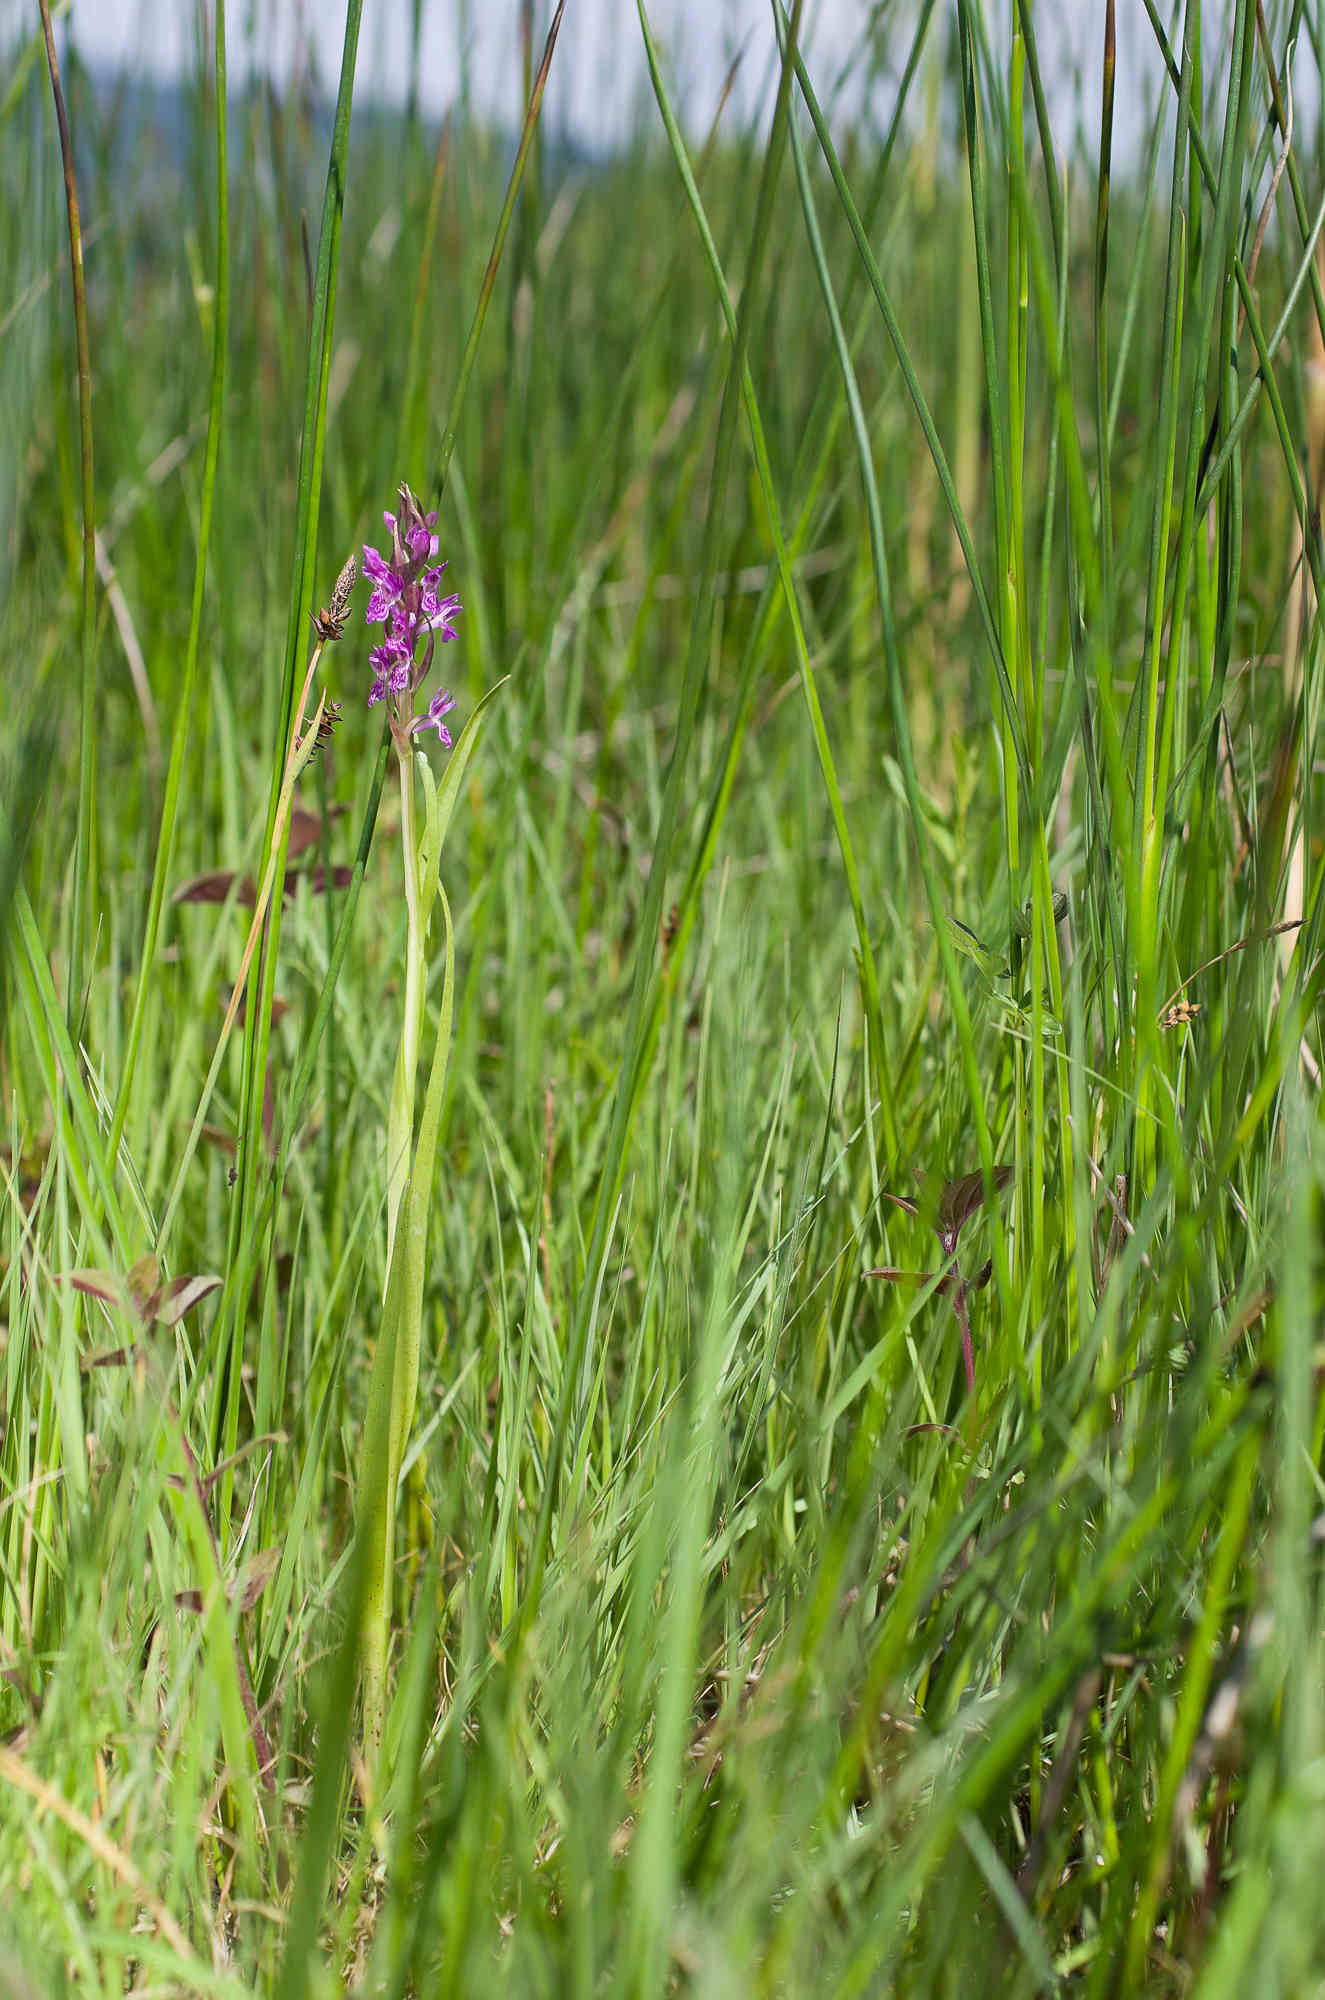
{"x": 407, "y": 599}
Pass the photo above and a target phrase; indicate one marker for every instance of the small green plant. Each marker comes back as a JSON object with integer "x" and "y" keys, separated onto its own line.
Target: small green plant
{"x": 406, "y": 599}
{"x": 958, "y": 1201}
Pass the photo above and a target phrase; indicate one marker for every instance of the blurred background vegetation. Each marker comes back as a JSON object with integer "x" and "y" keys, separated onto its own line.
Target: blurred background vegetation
{"x": 743, "y": 1647}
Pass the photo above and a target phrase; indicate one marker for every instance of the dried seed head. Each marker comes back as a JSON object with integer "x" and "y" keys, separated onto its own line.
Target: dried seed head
{"x": 326, "y": 727}
{"x": 329, "y": 624}
{"x": 340, "y": 596}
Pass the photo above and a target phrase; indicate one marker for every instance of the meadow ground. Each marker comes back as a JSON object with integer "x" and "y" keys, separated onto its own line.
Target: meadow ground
{"x": 823, "y": 1492}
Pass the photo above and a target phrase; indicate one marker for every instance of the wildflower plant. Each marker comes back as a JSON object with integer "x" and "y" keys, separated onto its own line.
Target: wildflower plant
{"x": 407, "y": 601}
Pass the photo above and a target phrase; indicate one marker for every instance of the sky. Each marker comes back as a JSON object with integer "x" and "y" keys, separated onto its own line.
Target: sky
{"x": 598, "y": 76}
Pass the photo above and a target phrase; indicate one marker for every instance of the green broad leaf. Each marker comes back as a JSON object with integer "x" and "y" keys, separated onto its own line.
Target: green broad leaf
{"x": 964, "y": 938}
{"x": 936, "y": 819}
{"x": 458, "y": 762}
{"x": 439, "y": 800}
{"x": 430, "y": 844}
{"x": 1049, "y": 1021}
{"x": 393, "y": 1386}
{"x": 1021, "y": 922}
{"x": 1019, "y": 1013}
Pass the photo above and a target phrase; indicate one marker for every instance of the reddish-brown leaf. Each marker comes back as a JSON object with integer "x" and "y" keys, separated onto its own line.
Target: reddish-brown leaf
{"x": 214, "y": 887}
{"x": 103, "y": 1285}
{"x": 960, "y": 1199}
{"x": 142, "y": 1279}
{"x": 180, "y": 1295}
{"x": 316, "y": 878}
{"x": 306, "y": 828}
{"x": 256, "y": 1575}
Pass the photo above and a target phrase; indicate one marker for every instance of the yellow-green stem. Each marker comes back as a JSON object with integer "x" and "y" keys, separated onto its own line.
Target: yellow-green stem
{"x": 400, "y": 1125}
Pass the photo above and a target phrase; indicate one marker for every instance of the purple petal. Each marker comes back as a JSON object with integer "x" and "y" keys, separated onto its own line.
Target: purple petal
{"x": 406, "y": 625}
{"x": 441, "y": 704}
{"x": 388, "y": 584}
{"x": 390, "y": 663}
{"x": 443, "y": 618}
{"x": 429, "y": 592}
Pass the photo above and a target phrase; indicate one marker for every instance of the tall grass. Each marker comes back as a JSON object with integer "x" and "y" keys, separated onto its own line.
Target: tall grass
{"x": 861, "y": 1528}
